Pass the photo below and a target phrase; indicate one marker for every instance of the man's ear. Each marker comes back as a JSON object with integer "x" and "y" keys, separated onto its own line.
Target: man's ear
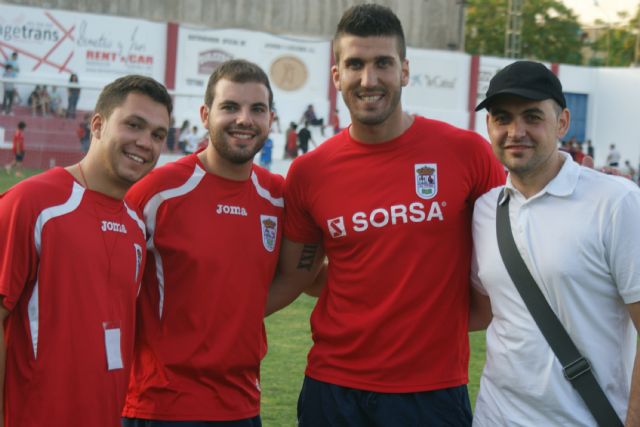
{"x": 97, "y": 122}
{"x": 405, "y": 72}
{"x": 564, "y": 121}
{"x": 335, "y": 76}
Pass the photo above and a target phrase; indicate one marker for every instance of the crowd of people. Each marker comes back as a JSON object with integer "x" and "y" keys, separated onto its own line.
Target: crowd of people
{"x": 41, "y": 101}
{"x": 164, "y": 326}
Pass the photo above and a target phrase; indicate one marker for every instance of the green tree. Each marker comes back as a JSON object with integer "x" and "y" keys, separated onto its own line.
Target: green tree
{"x": 550, "y": 30}
{"x": 617, "y": 42}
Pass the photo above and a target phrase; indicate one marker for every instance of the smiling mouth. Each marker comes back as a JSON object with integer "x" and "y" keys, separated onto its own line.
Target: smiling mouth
{"x": 517, "y": 147}
{"x": 242, "y": 134}
{"x": 135, "y": 158}
{"x": 370, "y": 98}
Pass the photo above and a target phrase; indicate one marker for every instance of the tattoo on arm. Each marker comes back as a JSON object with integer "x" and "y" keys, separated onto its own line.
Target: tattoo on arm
{"x": 306, "y": 258}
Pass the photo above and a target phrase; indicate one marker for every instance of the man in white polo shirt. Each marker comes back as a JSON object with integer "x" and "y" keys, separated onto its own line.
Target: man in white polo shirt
{"x": 575, "y": 229}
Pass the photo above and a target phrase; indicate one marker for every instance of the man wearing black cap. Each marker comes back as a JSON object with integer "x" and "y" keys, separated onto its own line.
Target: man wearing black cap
{"x": 570, "y": 225}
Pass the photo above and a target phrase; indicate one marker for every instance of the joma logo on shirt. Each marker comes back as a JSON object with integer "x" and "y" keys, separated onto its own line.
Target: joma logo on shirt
{"x": 113, "y": 226}
{"x": 231, "y": 210}
{"x": 382, "y": 217}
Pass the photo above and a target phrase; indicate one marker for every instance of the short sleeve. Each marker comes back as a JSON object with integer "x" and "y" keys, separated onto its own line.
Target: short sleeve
{"x": 623, "y": 250}
{"x": 18, "y": 255}
{"x": 298, "y": 225}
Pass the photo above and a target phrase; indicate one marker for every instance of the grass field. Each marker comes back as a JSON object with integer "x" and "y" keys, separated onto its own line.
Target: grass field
{"x": 7, "y": 181}
{"x": 289, "y": 342}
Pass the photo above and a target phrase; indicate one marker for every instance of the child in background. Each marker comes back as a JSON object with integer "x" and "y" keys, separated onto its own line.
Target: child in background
{"x": 18, "y": 151}
{"x": 266, "y": 154}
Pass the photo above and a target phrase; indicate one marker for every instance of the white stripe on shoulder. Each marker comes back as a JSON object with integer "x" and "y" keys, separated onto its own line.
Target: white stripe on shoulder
{"x": 151, "y": 210}
{"x": 68, "y": 206}
{"x": 263, "y": 192}
{"x": 54, "y": 211}
{"x": 134, "y": 216}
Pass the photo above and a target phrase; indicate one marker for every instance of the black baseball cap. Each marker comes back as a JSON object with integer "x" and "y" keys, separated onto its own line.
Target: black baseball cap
{"x": 527, "y": 79}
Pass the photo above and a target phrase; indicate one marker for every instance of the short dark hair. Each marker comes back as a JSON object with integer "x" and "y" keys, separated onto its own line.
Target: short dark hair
{"x": 237, "y": 71}
{"x": 366, "y": 20}
{"x": 115, "y": 93}
{"x": 22, "y": 125}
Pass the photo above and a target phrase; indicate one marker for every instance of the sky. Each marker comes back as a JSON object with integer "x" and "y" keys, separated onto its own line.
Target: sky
{"x": 590, "y": 10}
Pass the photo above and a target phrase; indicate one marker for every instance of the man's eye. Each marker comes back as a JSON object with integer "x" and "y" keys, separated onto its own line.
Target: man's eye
{"x": 160, "y": 137}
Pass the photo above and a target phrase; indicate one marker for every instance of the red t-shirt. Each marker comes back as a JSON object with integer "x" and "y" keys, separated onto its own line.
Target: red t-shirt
{"x": 71, "y": 264}
{"x": 213, "y": 248}
{"x": 18, "y": 142}
{"x": 395, "y": 221}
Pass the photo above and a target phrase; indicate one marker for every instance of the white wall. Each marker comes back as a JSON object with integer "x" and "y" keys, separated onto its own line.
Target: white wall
{"x": 616, "y": 113}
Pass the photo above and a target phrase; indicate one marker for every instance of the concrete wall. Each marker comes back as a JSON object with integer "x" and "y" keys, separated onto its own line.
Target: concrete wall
{"x": 432, "y": 24}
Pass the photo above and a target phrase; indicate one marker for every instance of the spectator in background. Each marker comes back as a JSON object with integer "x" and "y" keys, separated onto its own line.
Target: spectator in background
{"x": 630, "y": 170}
{"x": 276, "y": 119}
{"x": 613, "y": 158}
{"x": 9, "y": 89}
{"x": 13, "y": 61}
{"x": 55, "y": 102}
{"x": 73, "y": 94}
{"x": 335, "y": 122}
{"x": 45, "y": 100}
{"x": 309, "y": 116}
{"x": 576, "y": 153}
{"x": 291, "y": 142}
{"x": 171, "y": 136}
{"x": 304, "y": 136}
{"x": 193, "y": 140}
{"x": 18, "y": 150}
{"x": 34, "y": 99}
{"x": 590, "y": 150}
{"x": 266, "y": 154}
{"x": 84, "y": 132}
{"x": 183, "y": 134}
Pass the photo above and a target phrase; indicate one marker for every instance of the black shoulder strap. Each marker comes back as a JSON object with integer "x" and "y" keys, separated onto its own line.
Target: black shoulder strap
{"x": 577, "y": 369}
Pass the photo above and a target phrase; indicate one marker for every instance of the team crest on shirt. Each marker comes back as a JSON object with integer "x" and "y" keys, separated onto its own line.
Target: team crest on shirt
{"x": 269, "y": 226}
{"x": 426, "y": 175}
{"x": 138, "y": 250}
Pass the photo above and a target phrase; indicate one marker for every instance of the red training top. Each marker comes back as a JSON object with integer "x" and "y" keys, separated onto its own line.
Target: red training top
{"x": 213, "y": 248}
{"x": 395, "y": 221}
{"x": 71, "y": 264}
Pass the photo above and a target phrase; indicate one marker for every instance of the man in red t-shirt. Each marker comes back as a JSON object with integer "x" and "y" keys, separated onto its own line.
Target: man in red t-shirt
{"x": 389, "y": 200}
{"x": 214, "y": 222}
{"x": 71, "y": 256}
{"x": 18, "y": 150}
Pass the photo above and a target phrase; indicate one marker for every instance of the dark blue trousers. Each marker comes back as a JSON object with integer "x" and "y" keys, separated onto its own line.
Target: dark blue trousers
{"x": 139, "y": 422}
{"x": 327, "y": 405}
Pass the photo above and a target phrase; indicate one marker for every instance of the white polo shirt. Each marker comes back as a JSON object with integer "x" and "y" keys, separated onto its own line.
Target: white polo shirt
{"x": 579, "y": 237}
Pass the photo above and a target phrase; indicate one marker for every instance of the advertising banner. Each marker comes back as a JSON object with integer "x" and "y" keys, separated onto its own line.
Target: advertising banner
{"x": 53, "y": 44}
{"x": 298, "y": 69}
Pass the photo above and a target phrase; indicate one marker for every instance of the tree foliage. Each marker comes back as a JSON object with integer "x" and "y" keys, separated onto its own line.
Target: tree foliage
{"x": 616, "y": 43}
{"x": 550, "y": 30}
